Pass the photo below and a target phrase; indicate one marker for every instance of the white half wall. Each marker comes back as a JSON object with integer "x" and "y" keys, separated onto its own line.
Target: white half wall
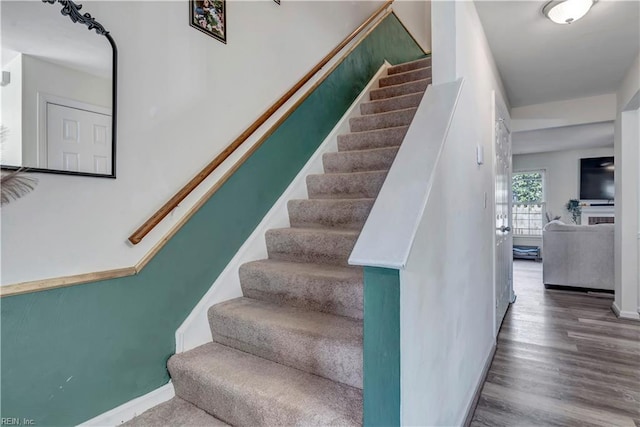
{"x": 182, "y": 98}
{"x": 448, "y": 279}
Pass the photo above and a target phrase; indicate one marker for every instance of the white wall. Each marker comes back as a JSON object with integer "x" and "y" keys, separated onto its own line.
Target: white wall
{"x": 562, "y": 175}
{"x": 39, "y": 76}
{"x": 182, "y": 98}
{"x": 637, "y": 118}
{"x": 626, "y": 232}
{"x": 443, "y": 41}
{"x": 11, "y": 114}
{"x": 627, "y": 135}
{"x": 629, "y": 87}
{"x": 416, "y": 17}
{"x": 449, "y": 274}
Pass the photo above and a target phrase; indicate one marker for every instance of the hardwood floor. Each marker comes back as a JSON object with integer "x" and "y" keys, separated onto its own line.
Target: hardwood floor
{"x": 562, "y": 359}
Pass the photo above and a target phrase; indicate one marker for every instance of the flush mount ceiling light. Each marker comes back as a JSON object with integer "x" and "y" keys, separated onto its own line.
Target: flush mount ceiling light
{"x": 567, "y": 11}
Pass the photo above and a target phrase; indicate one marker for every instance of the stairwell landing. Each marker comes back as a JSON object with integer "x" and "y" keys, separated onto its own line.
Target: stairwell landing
{"x": 289, "y": 352}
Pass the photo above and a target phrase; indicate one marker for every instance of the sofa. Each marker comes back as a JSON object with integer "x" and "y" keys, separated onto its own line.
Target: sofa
{"x": 579, "y": 256}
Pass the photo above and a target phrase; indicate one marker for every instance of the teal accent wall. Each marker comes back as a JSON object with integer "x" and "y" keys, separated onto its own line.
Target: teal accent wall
{"x": 381, "y": 369}
{"x": 71, "y": 354}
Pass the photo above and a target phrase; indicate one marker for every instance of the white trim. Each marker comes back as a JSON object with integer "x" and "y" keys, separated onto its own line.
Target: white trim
{"x": 477, "y": 390}
{"x": 127, "y": 411}
{"x": 41, "y": 119}
{"x": 500, "y": 113}
{"x": 195, "y": 331}
{"x": 625, "y": 314}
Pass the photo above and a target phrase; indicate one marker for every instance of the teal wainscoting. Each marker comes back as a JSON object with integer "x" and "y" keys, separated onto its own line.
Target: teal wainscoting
{"x": 73, "y": 353}
{"x": 381, "y": 370}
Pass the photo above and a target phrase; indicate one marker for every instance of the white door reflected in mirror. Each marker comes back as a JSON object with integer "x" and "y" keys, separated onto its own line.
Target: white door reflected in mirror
{"x": 78, "y": 140}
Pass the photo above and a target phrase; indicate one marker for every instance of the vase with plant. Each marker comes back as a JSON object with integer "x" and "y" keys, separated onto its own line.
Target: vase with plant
{"x": 575, "y": 209}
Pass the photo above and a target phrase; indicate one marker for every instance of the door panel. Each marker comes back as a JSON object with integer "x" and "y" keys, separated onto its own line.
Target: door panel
{"x": 503, "y": 221}
{"x": 77, "y": 140}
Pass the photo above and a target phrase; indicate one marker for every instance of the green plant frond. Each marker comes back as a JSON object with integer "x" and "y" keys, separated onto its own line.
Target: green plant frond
{"x": 14, "y": 185}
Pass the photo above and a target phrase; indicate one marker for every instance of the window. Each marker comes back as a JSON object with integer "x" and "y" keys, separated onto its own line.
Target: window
{"x": 528, "y": 203}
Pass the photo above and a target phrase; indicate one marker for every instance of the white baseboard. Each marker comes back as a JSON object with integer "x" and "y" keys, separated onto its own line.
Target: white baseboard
{"x": 633, "y": 315}
{"x": 471, "y": 406}
{"x": 127, "y": 411}
{"x": 195, "y": 331}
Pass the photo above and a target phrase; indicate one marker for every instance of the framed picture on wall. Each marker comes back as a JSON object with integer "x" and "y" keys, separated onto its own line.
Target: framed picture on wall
{"x": 209, "y": 16}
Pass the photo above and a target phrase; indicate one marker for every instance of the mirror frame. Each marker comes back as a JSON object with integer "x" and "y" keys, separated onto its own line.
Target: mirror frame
{"x": 72, "y": 10}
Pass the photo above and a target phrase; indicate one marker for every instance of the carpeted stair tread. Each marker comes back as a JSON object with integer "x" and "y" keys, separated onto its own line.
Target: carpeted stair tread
{"x": 408, "y": 66}
{"x": 382, "y": 120}
{"x": 407, "y": 76}
{"x": 348, "y": 214}
{"x": 319, "y": 343}
{"x": 247, "y": 390}
{"x": 289, "y": 352}
{"x": 392, "y": 104}
{"x": 317, "y": 245}
{"x": 391, "y": 137}
{"x": 176, "y": 413}
{"x": 401, "y": 89}
{"x": 320, "y": 287}
{"x": 374, "y": 159}
{"x": 356, "y": 185}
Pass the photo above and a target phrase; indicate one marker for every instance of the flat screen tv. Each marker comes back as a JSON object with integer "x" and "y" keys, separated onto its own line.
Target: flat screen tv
{"x": 596, "y": 179}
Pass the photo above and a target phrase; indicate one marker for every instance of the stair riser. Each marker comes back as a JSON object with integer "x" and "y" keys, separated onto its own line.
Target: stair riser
{"x": 349, "y": 215}
{"x": 321, "y": 248}
{"x": 391, "y": 104}
{"x": 359, "y": 161}
{"x": 339, "y": 296}
{"x": 347, "y": 186}
{"x": 399, "y": 90}
{"x": 339, "y": 361}
{"x": 410, "y": 76}
{"x": 403, "y": 68}
{"x": 374, "y": 139}
{"x": 381, "y": 121}
{"x": 220, "y": 389}
{"x": 175, "y": 412}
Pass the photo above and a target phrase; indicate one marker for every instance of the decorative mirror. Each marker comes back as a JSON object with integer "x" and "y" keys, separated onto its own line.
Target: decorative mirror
{"x": 58, "y": 90}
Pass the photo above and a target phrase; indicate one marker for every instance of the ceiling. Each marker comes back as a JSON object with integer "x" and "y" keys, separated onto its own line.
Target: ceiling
{"x": 563, "y": 138}
{"x": 39, "y": 29}
{"x": 540, "y": 61}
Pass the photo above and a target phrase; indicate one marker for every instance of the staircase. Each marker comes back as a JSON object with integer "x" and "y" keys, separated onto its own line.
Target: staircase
{"x": 289, "y": 352}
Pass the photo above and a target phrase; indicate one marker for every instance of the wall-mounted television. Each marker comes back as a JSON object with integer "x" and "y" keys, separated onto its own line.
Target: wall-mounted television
{"x": 596, "y": 179}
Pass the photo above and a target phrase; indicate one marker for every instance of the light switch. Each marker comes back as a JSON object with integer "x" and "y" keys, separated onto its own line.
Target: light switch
{"x": 6, "y": 78}
{"x": 480, "y": 154}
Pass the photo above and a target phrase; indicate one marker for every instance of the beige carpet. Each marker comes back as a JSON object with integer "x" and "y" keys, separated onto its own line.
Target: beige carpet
{"x": 289, "y": 352}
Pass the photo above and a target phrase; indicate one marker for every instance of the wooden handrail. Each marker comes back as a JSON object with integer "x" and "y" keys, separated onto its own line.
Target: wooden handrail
{"x": 161, "y": 213}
